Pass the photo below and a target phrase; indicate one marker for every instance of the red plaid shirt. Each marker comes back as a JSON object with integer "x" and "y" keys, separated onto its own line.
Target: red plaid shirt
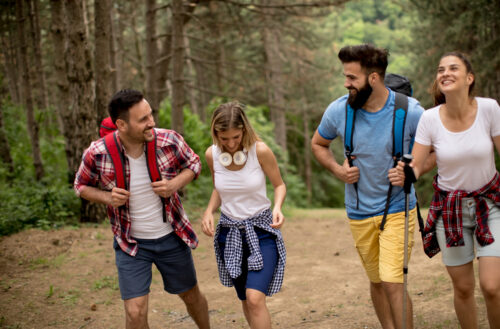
{"x": 173, "y": 155}
{"x": 449, "y": 205}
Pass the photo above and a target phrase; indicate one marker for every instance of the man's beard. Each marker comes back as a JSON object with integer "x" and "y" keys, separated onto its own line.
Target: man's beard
{"x": 358, "y": 99}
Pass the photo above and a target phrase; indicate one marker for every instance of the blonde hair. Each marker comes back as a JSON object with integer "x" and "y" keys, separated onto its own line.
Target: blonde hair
{"x": 232, "y": 116}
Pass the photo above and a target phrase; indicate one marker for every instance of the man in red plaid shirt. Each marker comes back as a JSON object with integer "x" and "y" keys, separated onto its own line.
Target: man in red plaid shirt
{"x": 147, "y": 219}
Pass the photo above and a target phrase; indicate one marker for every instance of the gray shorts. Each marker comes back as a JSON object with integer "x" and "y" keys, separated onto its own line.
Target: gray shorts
{"x": 171, "y": 256}
{"x": 455, "y": 256}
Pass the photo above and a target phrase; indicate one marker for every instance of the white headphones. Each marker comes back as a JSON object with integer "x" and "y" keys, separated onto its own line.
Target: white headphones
{"x": 238, "y": 158}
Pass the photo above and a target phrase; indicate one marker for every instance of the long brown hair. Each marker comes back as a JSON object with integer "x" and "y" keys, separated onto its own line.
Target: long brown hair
{"x": 437, "y": 95}
{"x": 232, "y": 116}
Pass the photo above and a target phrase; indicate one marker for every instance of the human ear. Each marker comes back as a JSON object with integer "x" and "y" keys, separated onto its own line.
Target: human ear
{"x": 121, "y": 124}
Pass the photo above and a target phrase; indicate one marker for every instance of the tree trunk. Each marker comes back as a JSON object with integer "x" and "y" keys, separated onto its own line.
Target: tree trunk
{"x": 80, "y": 114}
{"x": 192, "y": 92}
{"x": 177, "y": 66}
{"x": 115, "y": 62}
{"x": 63, "y": 98}
{"x": 151, "y": 56}
{"x": 41, "y": 89}
{"x": 275, "y": 81}
{"x": 102, "y": 57}
{"x": 10, "y": 51}
{"x": 5, "y": 148}
{"x": 32, "y": 125}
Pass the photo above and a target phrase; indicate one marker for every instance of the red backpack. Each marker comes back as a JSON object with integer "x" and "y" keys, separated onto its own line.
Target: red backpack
{"x": 108, "y": 132}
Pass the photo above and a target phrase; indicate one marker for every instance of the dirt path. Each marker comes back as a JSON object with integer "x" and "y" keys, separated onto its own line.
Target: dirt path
{"x": 67, "y": 279}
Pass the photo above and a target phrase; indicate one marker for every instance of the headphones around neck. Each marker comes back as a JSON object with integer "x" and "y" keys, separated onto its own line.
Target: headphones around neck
{"x": 238, "y": 158}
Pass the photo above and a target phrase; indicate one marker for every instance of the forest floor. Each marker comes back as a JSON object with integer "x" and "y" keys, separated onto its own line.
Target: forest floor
{"x": 67, "y": 279}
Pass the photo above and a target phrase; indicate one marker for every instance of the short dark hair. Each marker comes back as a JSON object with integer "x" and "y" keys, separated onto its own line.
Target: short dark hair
{"x": 371, "y": 58}
{"x": 121, "y": 102}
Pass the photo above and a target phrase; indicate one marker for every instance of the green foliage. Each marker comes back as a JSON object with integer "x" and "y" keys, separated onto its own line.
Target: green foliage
{"x": 26, "y": 202}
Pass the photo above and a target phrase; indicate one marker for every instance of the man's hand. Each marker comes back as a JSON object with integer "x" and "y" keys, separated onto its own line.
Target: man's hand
{"x": 165, "y": 188}
{"x": 397, "y": 175}
{"x": 119, "y": 197}
{"x": 348, "y": 174}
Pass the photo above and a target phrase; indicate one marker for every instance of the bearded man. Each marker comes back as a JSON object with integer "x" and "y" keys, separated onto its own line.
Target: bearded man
{"x": 368, "y": 172}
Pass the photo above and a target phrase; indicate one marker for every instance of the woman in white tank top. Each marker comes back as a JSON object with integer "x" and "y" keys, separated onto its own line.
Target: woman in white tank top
{"x": 248, "y": 244}
{"x": 464, "y": 217}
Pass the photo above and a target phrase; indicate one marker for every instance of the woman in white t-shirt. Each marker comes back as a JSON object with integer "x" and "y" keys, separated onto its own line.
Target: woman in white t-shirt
{"x": 464, "y": 216}
{"x": 248, "y": 244}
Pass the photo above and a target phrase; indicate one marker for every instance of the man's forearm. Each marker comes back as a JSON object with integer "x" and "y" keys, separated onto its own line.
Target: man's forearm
{"x": 184, "y": 178}
{"x": 326, "y": 159}
{"x": 95, "y": 194}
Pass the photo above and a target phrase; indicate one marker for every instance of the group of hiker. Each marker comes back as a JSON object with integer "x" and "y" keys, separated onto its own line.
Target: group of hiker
{"x": 137, "y": 170}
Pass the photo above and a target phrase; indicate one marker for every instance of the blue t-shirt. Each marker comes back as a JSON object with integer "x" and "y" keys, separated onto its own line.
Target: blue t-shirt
{"x": 372, "y": 146}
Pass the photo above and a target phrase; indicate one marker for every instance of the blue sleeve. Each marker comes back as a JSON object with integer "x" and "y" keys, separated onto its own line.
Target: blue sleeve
{"x": 330, "y": 124}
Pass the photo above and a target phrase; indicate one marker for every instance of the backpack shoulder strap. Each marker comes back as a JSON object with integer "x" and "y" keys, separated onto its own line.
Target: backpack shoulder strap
{"x": 350, "y": 116}
{"x": 398, "y": 124}
{"x": 118, "y": 159}
{"x": 398, "y": 138}
{"x": 153, "y": 169}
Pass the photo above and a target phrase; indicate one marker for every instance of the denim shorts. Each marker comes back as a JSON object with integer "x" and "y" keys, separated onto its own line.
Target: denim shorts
{"x": 258, "y": 280}
{"x": 171, "y": 256}
{"x": 460, "y": 255}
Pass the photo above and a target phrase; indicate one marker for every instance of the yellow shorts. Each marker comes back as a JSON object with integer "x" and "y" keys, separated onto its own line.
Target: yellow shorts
{"x": 382, "y": 252}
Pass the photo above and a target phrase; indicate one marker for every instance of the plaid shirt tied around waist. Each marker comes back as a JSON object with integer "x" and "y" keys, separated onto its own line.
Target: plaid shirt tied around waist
{"x": 229, "y": 264}
{"x": 173, "y": 155}
{"x": 448, "y": 204}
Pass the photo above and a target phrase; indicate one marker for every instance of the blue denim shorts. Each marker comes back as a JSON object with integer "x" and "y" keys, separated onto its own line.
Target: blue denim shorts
{"x": 460, "y": 255}
{"x": 171, "y": 256}
{"x": 258, "y": 280}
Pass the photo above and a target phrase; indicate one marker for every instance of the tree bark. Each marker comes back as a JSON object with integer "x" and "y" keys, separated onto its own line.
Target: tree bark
{"x": 10, "y": 51}
{"x": 177, "y": 66}
{"x": 115, "y": 62}
{"x": 5, "y": 148}
{"x": 274, "y": 77}
{"x": 102, "y": 57}
{"x": 32, "y": 125}
{"x": 41, "y": 89}
{"x": 151, "y": 56}
{"x": 80, "y": 116}
{"x": 63, "y": 98}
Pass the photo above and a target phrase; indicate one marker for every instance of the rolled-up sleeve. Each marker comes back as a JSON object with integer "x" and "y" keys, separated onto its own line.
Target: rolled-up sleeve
{"x": 87, "y": 174}
{"x": 187, "y": 157}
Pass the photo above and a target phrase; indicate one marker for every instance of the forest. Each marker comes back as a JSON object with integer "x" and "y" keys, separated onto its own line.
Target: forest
{"x": 61, "y": 61}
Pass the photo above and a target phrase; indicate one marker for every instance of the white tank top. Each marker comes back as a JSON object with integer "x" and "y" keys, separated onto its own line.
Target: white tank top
{"x": 242, "y": 192}
{"x": 144, "y": 204}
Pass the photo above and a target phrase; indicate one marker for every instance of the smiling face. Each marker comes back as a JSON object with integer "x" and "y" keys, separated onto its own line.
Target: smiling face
{"x": 452, "y": 75}
{"x": 356, "y": 81}
{"x": 139, "y": 126}
{"x": 230, "y": 140}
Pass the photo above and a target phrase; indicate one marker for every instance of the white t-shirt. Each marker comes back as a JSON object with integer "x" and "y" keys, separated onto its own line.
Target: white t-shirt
{"x": 242, "y": 192}
{"x": 145, "y": 205}
{"x": 466, "y": 159}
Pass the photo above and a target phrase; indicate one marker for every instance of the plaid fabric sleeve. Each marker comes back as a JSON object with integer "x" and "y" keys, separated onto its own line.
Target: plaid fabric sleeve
{"x": 87, "y": 174}
{"x": 186, "y": 156}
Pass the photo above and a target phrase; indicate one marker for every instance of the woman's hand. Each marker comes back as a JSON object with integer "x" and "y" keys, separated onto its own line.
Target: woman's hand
{"x": 207, "y": 223}
{"x": 278, "y": 219}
